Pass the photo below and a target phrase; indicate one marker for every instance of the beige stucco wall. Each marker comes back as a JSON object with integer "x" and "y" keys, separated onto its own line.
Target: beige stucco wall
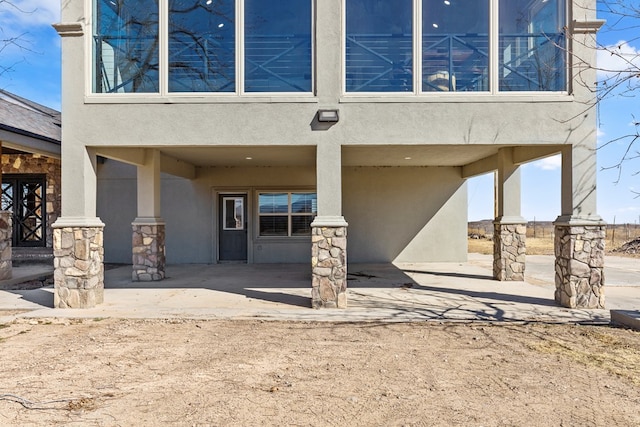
{"x": 395, "y": 214}
{"x": 405, "y": 214}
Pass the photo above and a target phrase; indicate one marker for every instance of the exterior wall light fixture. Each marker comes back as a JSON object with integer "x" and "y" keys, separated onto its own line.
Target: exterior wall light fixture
{"x": 328, "y": 116}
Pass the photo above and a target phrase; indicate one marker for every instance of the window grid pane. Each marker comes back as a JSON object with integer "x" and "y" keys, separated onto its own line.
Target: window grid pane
{"x": 202, "y": 46}
{"x": 379, "y": 46}
{"x": 301, "y": 225}
{"x": 274, "y": 225}
{"x": 455, "y": 46}
{"x": 286, "y": 214}
{"x": 532, "y": 46}
{"x": 273, "y": 203}
{"x": 278, "y": 46}
{"x": 125, "y": 46}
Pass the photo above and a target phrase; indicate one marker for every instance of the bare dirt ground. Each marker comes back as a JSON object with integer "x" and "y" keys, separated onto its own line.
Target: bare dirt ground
{"x": 110, "y": 372}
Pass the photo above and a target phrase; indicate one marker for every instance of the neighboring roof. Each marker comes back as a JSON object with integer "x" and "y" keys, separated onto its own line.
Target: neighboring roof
{"x": 24, "y": 117}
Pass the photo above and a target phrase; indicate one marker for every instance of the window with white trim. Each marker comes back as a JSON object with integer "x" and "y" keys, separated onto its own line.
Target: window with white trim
{"x": 205, "y": 46}
{"x": 286, "y": 214}
{"x": 420, "y": 46}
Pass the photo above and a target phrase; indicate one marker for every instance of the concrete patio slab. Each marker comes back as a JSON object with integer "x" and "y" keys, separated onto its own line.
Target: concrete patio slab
{"x": 377, "y": 292}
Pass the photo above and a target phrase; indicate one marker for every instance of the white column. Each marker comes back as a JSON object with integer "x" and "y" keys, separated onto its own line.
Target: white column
{"x": 510, "y": 228}
{"x": 149, "y": 185}
{"x": 329, "y": 233}
{"x": 329, "y": 185}
{"x": 148, "y": 239}
{"x": 579, "y": 183}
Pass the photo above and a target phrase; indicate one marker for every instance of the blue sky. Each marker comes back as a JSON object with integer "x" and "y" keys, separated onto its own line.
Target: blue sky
{"x": 35, "y": 75}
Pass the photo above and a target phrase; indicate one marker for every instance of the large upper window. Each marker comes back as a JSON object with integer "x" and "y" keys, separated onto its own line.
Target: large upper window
{"x": 202, "y": 46}
{"x": 204, "y": 50}
{"x": 125, "y": 46}
{"x": 531, "y": 45}
{"x": 455, "y": 49}
{"x": 286, "y": 214}
{"x": 379, "y": 46}
{"x": 455, "y": 45}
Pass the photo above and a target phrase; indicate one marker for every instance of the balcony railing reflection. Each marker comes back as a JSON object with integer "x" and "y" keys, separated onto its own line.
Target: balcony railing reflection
{"x": 374, "y": 63}
{"x": 204, "y": 63}
{"x": 455, "y": 62}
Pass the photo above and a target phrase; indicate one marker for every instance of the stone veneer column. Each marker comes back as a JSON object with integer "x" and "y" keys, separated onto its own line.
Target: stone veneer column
{"x": 509, "y": 251}
{"x": 329, "y": 266}
{"x": 579, "y": 250}
{"x": 148, "y": 250}
{"x": 78, "y": 266}
{"x": 6, "y": 229}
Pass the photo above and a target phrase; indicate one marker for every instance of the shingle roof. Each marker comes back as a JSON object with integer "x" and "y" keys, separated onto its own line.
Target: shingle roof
{"x": 29, "y": 118}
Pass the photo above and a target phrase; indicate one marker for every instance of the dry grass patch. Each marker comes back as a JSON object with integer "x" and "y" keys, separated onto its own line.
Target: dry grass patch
{"x": 535, "y": 246}
{"x": 617, "y": 351}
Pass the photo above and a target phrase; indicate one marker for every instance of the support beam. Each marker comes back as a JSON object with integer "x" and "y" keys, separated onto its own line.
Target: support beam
{"x": 132, "y": 156}
{"x": 78, "y": 234}
{"x": 148, "y": 239}
{"x": 480, "y": 167}
{"x": 329, "y": 232}
{"x": 177, "y": 167}
{"x": 526, "y": 154}
{"x": 510, "y": 229}
{"x": 579, "y": 233}
{"x": 149, "y": 185}
{"x": 508, "y": 186}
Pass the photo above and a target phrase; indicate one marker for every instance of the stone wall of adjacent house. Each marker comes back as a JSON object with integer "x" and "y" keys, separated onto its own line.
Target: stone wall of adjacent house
{"x": 37, "y": 164}
{"x": 509, "y": 251}
{"x": 580, "y": 266}
{"x": 329, "y": 267}
{"x": 5, "y": 245}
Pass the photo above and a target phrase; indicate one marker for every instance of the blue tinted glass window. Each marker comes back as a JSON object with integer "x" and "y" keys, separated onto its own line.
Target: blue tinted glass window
{"x": 379, "y": 46}
{"x": 277, "y": 46}
{"x": 304, "y": 202}
{"x": 273, "y": 203}
{"x": 455, "y": 45}
{"x": 125, "y": 46}
{"x": 202, "y": 46}
{"x": 531, "y": 45}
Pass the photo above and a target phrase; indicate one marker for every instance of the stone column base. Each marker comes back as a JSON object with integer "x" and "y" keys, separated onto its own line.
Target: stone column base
{"x": 148, "y": 240}
{"x": 78, "y": 267}
{"x": 329, "y": 266}
{"x": 509, "y": 251}
{"x": 579, "y": 251}
{"x": 6, "y": 231}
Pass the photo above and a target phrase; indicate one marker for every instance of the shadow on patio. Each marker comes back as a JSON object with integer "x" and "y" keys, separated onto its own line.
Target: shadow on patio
{"x": 376, "y": 292}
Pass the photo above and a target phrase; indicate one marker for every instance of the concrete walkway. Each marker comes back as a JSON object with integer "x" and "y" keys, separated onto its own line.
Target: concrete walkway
{"x": 377, "y": 292}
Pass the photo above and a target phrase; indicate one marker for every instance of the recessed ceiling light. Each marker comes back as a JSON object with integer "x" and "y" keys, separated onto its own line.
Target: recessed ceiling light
{"x": 407, "y": 158}
{"x": 447, "y": 2}
{"x": 435, "y": 25}
{"x": 248, "y": 158}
